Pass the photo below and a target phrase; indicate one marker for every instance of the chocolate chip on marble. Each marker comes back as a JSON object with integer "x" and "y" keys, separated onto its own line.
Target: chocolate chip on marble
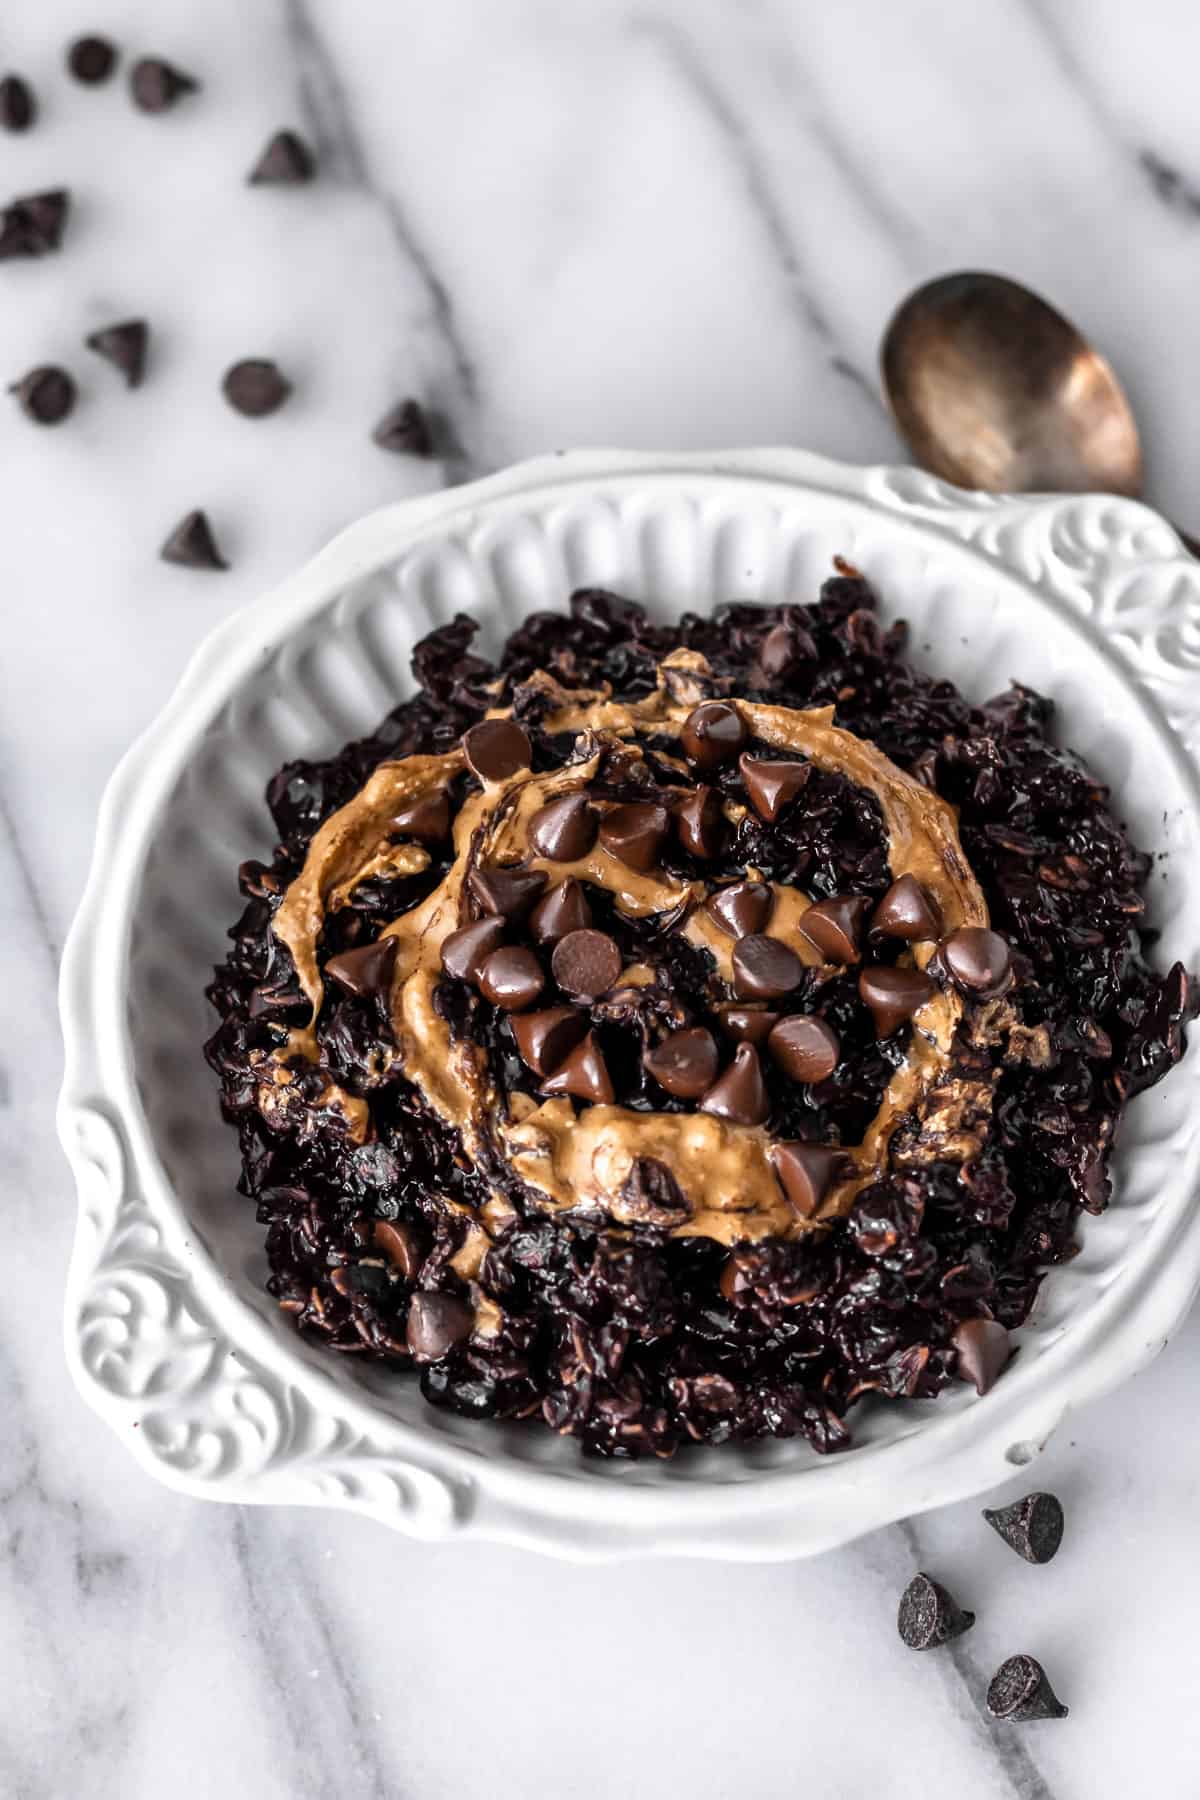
{"x": 1032, "y": 1526}
{"x": 977, "y": 960}
{"x": 805, "y": 1047}
{"x": 405, "y": 429}
{"x": 740, "y": 1094}
{"x": 511, "y": 978}
{"x": 835, "y": 927}
{"x": 893, "y": 995}
{"x": 403, "y": 1245}
{"x": 907, "y": 911}
{"x": 1020, "y": 1691}
{"x": 192, "y": 544}
{"x": 685, "y": 1063}
{"x": 712, "y": 734}
{"x": 586, "y": 963}
{"x": 583, "y": 1074}
{"x": 124, "y": 346}
{"x": 425, "y": 816}
{"x": 545, "y": 1039}
{"x": 700, "y": 823}
{"x": 364, "y": 971}
{"x": 509, "y": 892}
{"x": 33, "y": 224}
{"x": 634, "y": 833}
{"x": 157, "y": 85}
{"x": 464, "y": 950}
{"x": 564, "y": 830}
{"x": 18, "y": 109}
{"x": 286, "y": 161}
{"x": 772, "y": 785}
{"x": 436, "y": 1322}
{"x": 255, "y": 387}
{"x": 564, "y": 909}
{"x": 91, "y": 60}
{"x": 497, "y": 749}
{"x": 764, "y": 968}
{"x": 983, "y": 1348}
{"x": 747, "y": 1024}
{"x": 741, "y": 909}
{"x": 46, "y": 395}
{"x": 928, "y": 1616}
{"x": 806, "y": 1172}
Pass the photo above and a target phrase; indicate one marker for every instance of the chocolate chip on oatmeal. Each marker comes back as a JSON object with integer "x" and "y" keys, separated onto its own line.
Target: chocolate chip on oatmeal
{"x": 508, "y": 892}
{"x": 124, "y": 346}
{"x": 465, "y": 950}
{"x": 983, "y": 1348}
{"x": 907, "y": 911}
{"x": 783, "y": 647}
{"x": 192, "y": 544}
{"x": 425, "y": 816}
{"x": 772, "y": 784}
{"x": 156, "y": 85}
{"x": 712, "y": 734}
{"x": 546, "y": 1038}
{"x": 977, "y": 960}
{"x": 564, "y": 830}
{"x": 583, "y": 1074}
{"x": 1033, "y": 1526}
{"x": 700, "y": 823}
{"x": 805, "y": 1047}
{"x": 633, "y": 833}
{"x": 764, "y": 968}
{"x": 91, "y": 60}
{"x": 46, "y": 395}
{"x": 18, "y": 109}
{"x": 835, "y": 927}
{"x": 928, "y": 1616}
{"x": 564, "y": 909}
{"x": 742, "y": 909}
{"x": 740, "y": 1094}
{"x": 497, "y": 749}
{"x": 893, "y": 996}
{"x": 255, "y": 387}
{"x": 405, "y": 429}
{"x": 1020, "y": 1691}
{"x": 511, "y": 978}
{"x": 402, "y": 1244}
{"x": 436, "y": 1323}
{"x": 364, "y": 971}
{"x": 685, "y": 1063}
{"x": 286, "y": 161}
{"x": 806, "y": 1172}
{"x": 747, "y": 1024}
{"x": 586, "y": 963}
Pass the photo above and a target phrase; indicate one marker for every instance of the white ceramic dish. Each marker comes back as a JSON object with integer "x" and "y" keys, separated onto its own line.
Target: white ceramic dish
{"x": 169, "y": 1334}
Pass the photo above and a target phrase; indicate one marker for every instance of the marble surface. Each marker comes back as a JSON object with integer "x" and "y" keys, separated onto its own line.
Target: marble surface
{"x": 672, "y": 223}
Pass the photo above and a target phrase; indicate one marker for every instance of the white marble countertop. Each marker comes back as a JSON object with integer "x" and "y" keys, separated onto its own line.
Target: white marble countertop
{"x": 670, "y": 223}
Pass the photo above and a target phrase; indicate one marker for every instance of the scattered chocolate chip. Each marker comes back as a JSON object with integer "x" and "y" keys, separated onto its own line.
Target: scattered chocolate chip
{"x": 497, "y": 749}
{"x": 286, "y": 161}
{"x": 545, "y": 1039}
{"x": 893, "y": 995}
{"x": 255, "y": 387}
{"x": 33, "y": 224}
{"x": 740, "y": 1094}
{"x": 192, "y": 544}
{"x": 405, "y": 428}
{"x": 426, "y": 816}
{"x": 928, "y": 1616}
{"x": 18, "y": 109}
{"x": 45, "y": 395}
{"x": 764, "y": 968}
{"x": 586, "y": 963}
{"x": 464, "y": 950}
{"x": 805, "y": 1047}
{"x": 157, "y": 85}
{"x": 583, "y": 1074}
{"x": 1019, "y": 1691}
{"x": 91, "y": 60}
{"x": 511, "y": 978}
{"x": 436, "y": 1322}
{"x": 634, "y": 833}
{"x": 983, "y": 1348}
{"x": 712, "y": 734}
{"x": 700, "y": 823}
{"x": 747, "y": 1024}
{"x": 835, "y": 927}
{"x": 364, "y": 971}
{"x": 685, "y": 1064}
{"x": 402, "y": 1244}
{"x": 124, "y": 346}
{"x": 1033, "y": 1527}
{"x": 907, "y": 911}
{"x": 564, "y": 830}
{"x": 773, "y": 785}
{"x": 977, "y": 960}
{"x": 806, "y": 1172}
{"x": 741, "y": 909}
{"x": 509, "y": 892}
{"x": 564, "y": 909}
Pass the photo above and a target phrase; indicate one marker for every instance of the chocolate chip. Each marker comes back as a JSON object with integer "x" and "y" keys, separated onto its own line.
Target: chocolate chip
{"x": 33, "y": 224}
{"x": 402, "y": 1244}
{"x": 977, "y": 961}
{"x": 45, "y": 395}
{"x": 700, "y": 823}
{"x": 740, "y": 1094}
{"x": 464, "y": 950}
{"x": 805, "y": 1047}
{"x": 741, "y": 909}
{"x": 746, "y": 1024}
{"x": 1019, "y": 1691}
{"x": 406, "y": 429}
{"x": 651, "y": 1195}
{"x": 773, "y": 785}
{"x": 426, "y": 816}
{"x": 18, "y": 109}
{"x": 893, "y": 995}
{"x": 634, "y": 833}
{"x": 712, "y": 734}
{"x": 806, "y": 1172}
{"x": 564, "y": 830}
{"x": 436, "y": 1322}
{"x": 91, "y": 60}
{"x": 286, "y": 161}
{"x": 509, "y": 892}
{"x": 511, "y": 978}
{"x": 364, "y": 971}
{"x": 255, "y": 387}
{"x": 497, "y": 749}
{"x": 192, "y": 544}
{"x": 783, "y": 647}
{"x": 583, "y": 1074}
{"x": 983, "y": 1348}
{"x": 586, "y": 963}
{"x": 835, "y": 927}
{"x": 907, "y": 911}
{"x": 1033, "y": 1527}
{"x": 564, "y": 909}
{"x": 545, "y": 1039}
{"x": 124, "y": 346}
{"x": 928, "y": 1616}
{"x": 157, "y": 85}
{"x": 764, "y": 968}
{"x": 685, "y": 1064}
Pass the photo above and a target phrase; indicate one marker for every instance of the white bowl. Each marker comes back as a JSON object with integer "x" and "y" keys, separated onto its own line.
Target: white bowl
{"x": 169, "y": 1333}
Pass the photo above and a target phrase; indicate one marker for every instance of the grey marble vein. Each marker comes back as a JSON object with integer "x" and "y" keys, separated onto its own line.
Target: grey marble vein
{"x": 28, "y": 883}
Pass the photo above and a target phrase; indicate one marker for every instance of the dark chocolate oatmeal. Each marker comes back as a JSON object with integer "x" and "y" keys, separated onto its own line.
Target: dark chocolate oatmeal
{"x": 678, "y": 1033}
